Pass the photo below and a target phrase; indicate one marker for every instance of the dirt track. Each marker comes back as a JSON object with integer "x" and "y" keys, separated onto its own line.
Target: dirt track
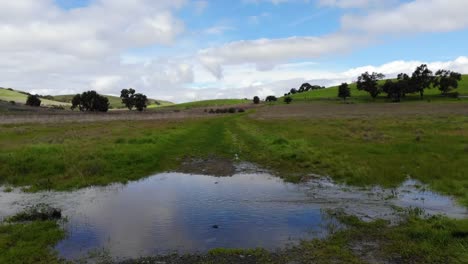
{"x": 299, "y": 110}
{"x": 96, "y": 117}
{"x": 328, "y": 110}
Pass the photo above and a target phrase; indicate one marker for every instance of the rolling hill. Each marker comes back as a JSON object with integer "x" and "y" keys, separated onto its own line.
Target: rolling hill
{"x": 211, "y": 103}
{"x": 332, "y": 92}
{"x": 8, "y": 95}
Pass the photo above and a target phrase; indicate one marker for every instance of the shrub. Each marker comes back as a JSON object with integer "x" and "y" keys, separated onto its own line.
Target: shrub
{"x": 90, "y": 101}
{"x": 33, "y": 100}
{"x": 256, "y": 100}
{"x": 12, "y": 102}
{"x": 232, "y": 110}
{"x": 211, "y": 111}
{"x": 288, "y": 99}
{"x": 40, "y": 212}
{"x": 241, "y": 110}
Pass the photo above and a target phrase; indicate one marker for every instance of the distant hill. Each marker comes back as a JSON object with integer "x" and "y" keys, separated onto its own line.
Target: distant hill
{"x": 332, "y": 92}
{"x": 211, "y": 103}
{"x": 8, "y": 95}
{"x": 114, "y": 101}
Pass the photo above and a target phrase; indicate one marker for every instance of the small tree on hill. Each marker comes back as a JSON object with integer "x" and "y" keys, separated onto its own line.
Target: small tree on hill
{"x": 271, "y": 98}
{"x": 33, "y": 100}
{"x": 369, "y": 83}
{"x": 128, "y": 99}
{"x": 140, "y": 101}
{"x": 256, "y": 100}
{"x": 421, "y": 79}
{"x": 446, "y": 80}
{"x": 344, "y": 91}
{"x": 405, "y": 84}
{"x": 288, "y": 99}
{"x": 293, "y": 91}
{"x": 90, "y": 101}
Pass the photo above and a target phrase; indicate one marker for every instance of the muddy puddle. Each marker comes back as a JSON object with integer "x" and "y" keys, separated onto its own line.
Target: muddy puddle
{"x": 172, "y": 212}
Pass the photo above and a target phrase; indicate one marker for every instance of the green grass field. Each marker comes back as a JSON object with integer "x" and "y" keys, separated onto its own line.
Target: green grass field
{"x": 115, "y": 101}
{"x": 16, "y": 96}
{"x": 382, "y": 151}
{"x": 211, "y": 103}
{"x": 362, "y": 96}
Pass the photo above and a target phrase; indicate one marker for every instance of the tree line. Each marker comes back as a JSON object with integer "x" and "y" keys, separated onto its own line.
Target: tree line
{"x": 420, "y": 80}
{"x": 91, "y": 101}
{"x": 305, "y": 87}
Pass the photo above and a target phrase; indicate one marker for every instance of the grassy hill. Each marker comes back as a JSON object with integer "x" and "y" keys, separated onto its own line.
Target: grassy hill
{"x": 211, "y": 103}
{"x": 115, "y": 102}
{"x": 21, "y": 97}
{"x": 332, "y": 92}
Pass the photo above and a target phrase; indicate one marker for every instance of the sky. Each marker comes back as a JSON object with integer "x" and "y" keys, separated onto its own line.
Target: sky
{"x": 186, "y": 50}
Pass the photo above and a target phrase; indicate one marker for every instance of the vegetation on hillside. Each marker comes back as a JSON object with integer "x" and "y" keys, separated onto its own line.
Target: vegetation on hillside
{"x": 431, "y": 94}
{"x": 90, "y": 101}
{"x": 11, "y": 95}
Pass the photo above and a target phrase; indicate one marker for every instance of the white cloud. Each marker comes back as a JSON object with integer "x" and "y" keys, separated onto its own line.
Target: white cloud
{"x": 353, "y": 3}
{"x": 413, "y": 17}
{"x": 265, "y": 53}
{"x": 218, "y": 30}
{"x": 244, "y": 81}
{"x": 200, "y": 6}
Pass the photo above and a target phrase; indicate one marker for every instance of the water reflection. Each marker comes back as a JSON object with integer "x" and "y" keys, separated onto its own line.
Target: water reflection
{"x": 176, "y": 212}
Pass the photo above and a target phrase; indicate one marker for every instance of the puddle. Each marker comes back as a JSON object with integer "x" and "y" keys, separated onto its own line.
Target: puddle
{"x": 193, "y": 213}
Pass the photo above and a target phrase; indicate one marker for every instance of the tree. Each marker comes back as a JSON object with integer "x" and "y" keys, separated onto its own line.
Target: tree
{"x": 344, "y": 91}
{"x": 256, "y": 100}
{"x": 90, "y": 101}
{"x": 140, "y": 101}
{"x": 369, "y": 83}
{"x": 33, "y": 100}
{"x": 293, "y": 91}
{"x": 271, "y": 98}
{"x": 305, "y": 87}
{"x": 128, "y": 98}
{"x": 405, "y": 84}
{"x": 446, "y": 80}
{"x": 421, "y": 79}
{"x": 288, "y": 99}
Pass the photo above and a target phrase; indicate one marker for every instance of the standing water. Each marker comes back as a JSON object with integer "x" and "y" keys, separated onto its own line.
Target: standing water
{"x": 194, "y": 213}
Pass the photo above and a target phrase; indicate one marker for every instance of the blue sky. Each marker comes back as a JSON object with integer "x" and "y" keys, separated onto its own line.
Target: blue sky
{"x": 184, "y": 50}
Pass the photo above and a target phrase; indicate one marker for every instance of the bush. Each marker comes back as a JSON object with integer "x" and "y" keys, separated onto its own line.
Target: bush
{"x": 211, "y": 111}
{"x": 40, "y": 212}
{"x": 33, "y": 100}
{"x": 12, "y": 102}
{"x": 256, "y": 100}
{"x": 232, "y": 110}
{"x": 240, "y": 110}
{"x": 90, "y": 101}
{"x": 288, "y": 99}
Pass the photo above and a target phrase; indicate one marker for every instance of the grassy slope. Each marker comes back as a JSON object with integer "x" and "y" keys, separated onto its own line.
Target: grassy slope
{"x": 115, "y": 102}
{"x": 25, "y": 243}
{"x": 7, "y": 95}
{"x": 211, "y": 103}
{"x": 332, "y": 92}
{"x": 357, "y": 151}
